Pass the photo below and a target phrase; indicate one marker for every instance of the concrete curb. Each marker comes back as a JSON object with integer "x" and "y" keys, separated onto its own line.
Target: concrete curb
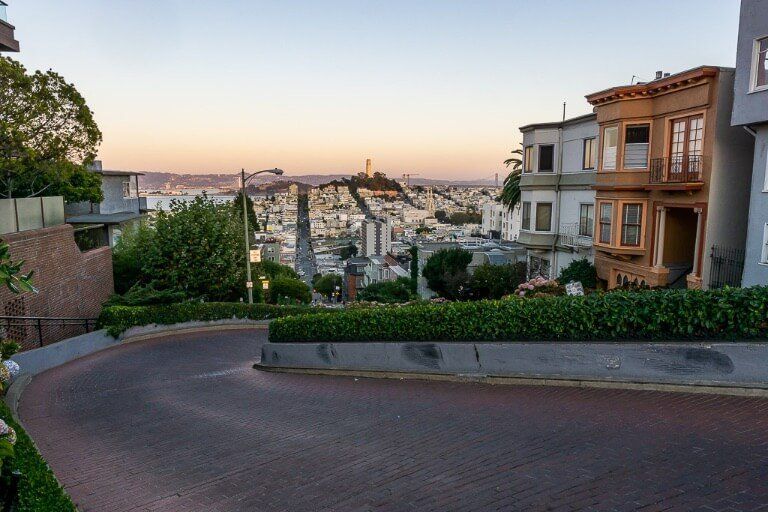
{"x": 675, "y": 366}
{"x": 156, "y": 330}
{"x": 522, "y": 381}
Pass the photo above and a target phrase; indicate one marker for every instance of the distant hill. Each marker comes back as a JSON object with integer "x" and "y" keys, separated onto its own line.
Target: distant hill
{"x": 171, "y": 181}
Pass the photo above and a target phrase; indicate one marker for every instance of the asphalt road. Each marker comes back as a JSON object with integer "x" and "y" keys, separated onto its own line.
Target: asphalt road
{"x": 305, "y": 258}
{"x": 183, "y": 423}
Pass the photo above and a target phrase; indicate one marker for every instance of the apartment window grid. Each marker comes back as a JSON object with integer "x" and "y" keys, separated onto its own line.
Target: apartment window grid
{"x": 543, "y": 216}
{"x": 764, "y": 255}
{"x": 760, "y": 64}
{"x": 526, "y": 216}
{"x": 606, "y": 222}
{"x": 631, "y": 225}
{"x": 546, "y": 158}
{"x": 586, "y": 219}
{"x": 528, "y": 159}
{"x": 589, "y": 161}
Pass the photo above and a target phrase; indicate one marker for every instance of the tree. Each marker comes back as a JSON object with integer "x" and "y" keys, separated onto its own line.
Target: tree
{"x": 469, "y": 217}
{"x": 495, "y": 281}
{"x": 273, "y": 270}
{"x": 414, "y": 252}
{"x": 286, "y": 290}
{"x": 441, "y": 216}
{"x": 446, "y": 272}
{"x": 510, "y": 194}
{"x": 350, "y": 251}
{"x": 128, "y": 258}
{"x": 10, "y": 272}
{"x": 388, "y": 292}
{"x": 579, "y": 270}
{"x": 237, "y": 211}
{"x": 327, "y": 284}
{"x": 48, "y": 136}
{"x": 196, "y": 248}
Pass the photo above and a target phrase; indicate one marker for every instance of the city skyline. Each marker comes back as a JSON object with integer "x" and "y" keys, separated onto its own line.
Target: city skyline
{"x": 428, "y": 88}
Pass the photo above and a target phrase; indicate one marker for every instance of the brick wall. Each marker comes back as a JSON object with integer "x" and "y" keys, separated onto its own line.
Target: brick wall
{"x": 72, "y": 284}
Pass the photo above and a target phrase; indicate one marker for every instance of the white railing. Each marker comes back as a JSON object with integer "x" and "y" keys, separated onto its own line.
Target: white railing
{"x": 570, "y": 236}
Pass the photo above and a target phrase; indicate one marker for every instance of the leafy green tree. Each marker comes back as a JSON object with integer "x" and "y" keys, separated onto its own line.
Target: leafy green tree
{"x": 495, "y": 281}
{"x": 470, "y": 217}
{"x": 579, "y": 270}
{"x": 237, "y": 211}
{"x": 273, "y": 270}
{"x": 285, "y": 290}
{"x": 446, "y": 272}
{"x": 196, "y": 248}
{"x": 350, "y": 251}
{"x": 424, "y": 230}
{"x": 10, "y": 272}
{"x": 128, "y": 258}
{"x": 327, "y": 284}
{"x": 48, "y": 136}
{"x": 388, "y": 292}
{"x": 441, "y": 216}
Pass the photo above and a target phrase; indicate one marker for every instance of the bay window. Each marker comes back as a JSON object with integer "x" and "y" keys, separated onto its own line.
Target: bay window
{"x": 526, "y": 216}
{"x": 543, "y": 216}
{"x": 586, "y": 219}
{"x": 528, "y": 159}
{"x": 760, "y": 64}
{"x": 610, "y": 143}
{"x": 631, "y": 225}
{"x": 606, "y": 222}
{"x": 547, "y": 158}
{"x": 636, "y": 140}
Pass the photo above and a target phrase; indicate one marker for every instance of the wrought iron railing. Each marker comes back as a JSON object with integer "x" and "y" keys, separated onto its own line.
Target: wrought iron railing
{"x": 677, "y": 169}
{"x": 574, "y": 235}
{"x": 35, "y": 331}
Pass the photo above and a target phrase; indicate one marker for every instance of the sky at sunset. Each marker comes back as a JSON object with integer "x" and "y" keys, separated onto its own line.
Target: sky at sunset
{"x": 435, "y": 87}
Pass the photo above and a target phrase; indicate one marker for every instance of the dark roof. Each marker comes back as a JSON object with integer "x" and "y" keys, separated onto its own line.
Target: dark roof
{"x": 558, "y": 124}
{"x": 103, "y": 218}
{"x": 120, "y": 173}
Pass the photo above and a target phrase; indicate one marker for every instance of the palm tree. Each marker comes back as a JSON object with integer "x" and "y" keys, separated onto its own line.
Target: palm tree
{"x": 510, "y": 194}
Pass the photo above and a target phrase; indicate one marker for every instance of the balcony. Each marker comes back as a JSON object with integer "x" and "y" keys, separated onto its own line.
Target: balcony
{"x": 677, "y": 170}
{"x": 570, "y": 236}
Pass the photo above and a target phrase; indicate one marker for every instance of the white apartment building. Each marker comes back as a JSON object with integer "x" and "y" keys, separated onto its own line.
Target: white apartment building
{"x": 497, "y": 217}
{"x": 557, "y": 209}
{"x": 376, "y": 237}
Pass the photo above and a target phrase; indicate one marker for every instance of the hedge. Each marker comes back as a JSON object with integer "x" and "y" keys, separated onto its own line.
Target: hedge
{"x": 118, "y": 319}
{"x": 732, "y": 313}
{"x": 39, "y": 491}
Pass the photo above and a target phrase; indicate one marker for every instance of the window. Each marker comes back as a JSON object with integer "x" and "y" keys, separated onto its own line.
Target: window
{"x": 760, "y": 64}
{"x": 590, "y": 154}
{"x": 606, "y": 221}
{"x": 546, "y": 158}
{"x": 764, "y": 255}
{"x": 528, "y": 159}
{"x": 526, "y": 216}
{"x": 543, "y": 216}
{"x": 685, "y": 150}
{"x": 631, "y": 215}
{"x": 610, "y": 142}
{"x": 126, "y": 189}
{"x": 636, "y": 141}
{"x": 586, "y": 219}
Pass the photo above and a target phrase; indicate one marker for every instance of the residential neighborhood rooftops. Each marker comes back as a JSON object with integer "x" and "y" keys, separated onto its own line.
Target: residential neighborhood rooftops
{"x": 103, "y": 218}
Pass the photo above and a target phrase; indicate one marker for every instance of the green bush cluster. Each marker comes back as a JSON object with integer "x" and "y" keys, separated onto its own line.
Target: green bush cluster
{"x": 731, "y": 313}
{"x": 118, "y": 319}
{"x": 39, "y": 491}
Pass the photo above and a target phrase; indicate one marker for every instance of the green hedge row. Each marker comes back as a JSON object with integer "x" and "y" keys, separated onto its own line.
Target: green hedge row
{"x": 39, "y": 491}
{"x": 118, "y": 319}
{"x": 666, "y": 314}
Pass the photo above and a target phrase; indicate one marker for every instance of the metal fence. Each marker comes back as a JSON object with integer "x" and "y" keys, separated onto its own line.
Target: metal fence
{"x": 727, "y": 266}
{"x": 34, "y": 332}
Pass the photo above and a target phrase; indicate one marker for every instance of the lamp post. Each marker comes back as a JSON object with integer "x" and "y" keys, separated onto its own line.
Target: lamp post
{"x": 243, "y": 181}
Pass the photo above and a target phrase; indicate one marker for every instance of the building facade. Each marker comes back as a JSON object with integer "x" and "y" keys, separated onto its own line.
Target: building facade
{"x": 673, "y": 178}
{"x": 557, "y": 199}
{"x": 750, "y": 111}
{"x": 376, "y": 237}
{"x": 8, "y": 43}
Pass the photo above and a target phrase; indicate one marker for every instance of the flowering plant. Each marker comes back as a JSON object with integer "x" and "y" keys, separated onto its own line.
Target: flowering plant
{"x": 539, "y": 286}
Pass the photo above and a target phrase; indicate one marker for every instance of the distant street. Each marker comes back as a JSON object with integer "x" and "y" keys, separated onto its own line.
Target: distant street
{"x": 183, "y": 423}
{"x": 305, "y": 258}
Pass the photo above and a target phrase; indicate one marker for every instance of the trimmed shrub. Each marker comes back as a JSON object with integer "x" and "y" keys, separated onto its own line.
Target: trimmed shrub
{"x": 39, "y": 491}
{"x": 731, "y": 313}
{"x": 118, "y": 319}
{"x": 580, "y": 270}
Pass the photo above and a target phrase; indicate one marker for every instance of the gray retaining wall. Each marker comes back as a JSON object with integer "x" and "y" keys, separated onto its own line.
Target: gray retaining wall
{"x": 710, "y": 364}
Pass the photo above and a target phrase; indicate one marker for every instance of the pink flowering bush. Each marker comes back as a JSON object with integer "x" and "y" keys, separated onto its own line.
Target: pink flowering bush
{"x": 539, "y": 287}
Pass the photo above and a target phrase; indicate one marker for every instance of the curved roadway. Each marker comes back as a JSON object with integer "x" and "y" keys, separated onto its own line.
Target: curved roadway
{"x": 183, "y": 423}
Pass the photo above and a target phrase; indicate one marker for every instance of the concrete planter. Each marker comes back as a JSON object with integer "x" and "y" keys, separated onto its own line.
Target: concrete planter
{"x": 742, "y": 365}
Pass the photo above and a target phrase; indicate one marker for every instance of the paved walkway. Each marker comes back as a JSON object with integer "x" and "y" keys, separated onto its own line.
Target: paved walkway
{"x": 183, "y": 423}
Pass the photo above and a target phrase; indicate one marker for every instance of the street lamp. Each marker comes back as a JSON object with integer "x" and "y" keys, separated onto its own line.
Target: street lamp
{"x": 243, "y": 181}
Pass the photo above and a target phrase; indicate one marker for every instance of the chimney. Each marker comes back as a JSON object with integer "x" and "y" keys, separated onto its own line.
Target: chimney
{"x": 667, "y": 74}
{"x": 368, "y": 169}
{"x": 659, "y": 74}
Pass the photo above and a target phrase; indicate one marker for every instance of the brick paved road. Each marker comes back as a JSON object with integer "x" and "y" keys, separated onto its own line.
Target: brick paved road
{"x": 183, "y": 423}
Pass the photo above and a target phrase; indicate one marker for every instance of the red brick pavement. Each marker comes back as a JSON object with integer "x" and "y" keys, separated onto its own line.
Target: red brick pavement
{"x": 184, "y": 423}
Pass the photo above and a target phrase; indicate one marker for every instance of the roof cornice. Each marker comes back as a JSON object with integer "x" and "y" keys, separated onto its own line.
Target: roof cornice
{"x": 654, "y": 88}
